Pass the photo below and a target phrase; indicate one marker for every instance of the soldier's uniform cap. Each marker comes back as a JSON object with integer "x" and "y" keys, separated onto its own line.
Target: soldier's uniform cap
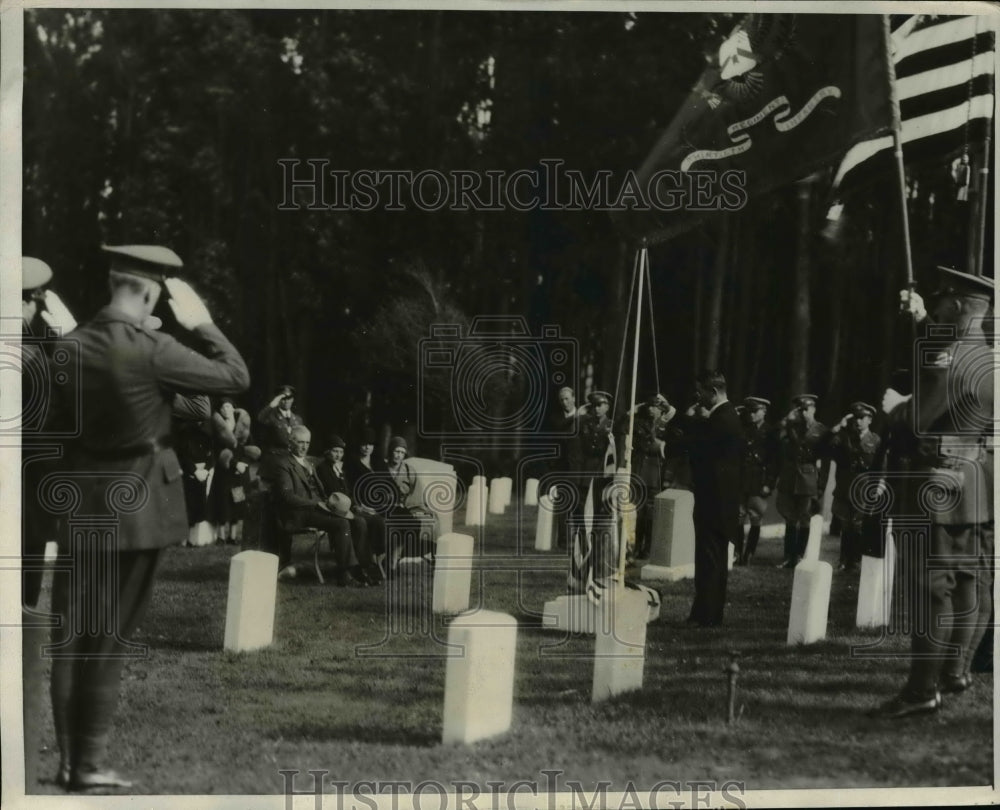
{"x": 34, "y": 273}
{"x": 805, "y": 399}
{"x": 753, "y": 403}
{"x": 285, "y": 390}
{"x": 862, "y": 409}
{"x": 957, "y": 282}
{"x": 147, "y": 261}
{"x": 596, "y": 397}
{"x": 659, "y": 401}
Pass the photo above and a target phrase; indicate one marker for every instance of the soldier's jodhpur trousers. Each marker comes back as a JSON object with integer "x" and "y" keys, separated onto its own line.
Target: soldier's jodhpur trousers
{"x": 948, "y": 595}
{"x": 100, "y": 597}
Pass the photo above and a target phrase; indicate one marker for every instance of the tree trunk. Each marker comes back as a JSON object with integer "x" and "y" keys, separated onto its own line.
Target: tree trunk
{"x": 798, "y": 378}
{"x": 713, "y": 335}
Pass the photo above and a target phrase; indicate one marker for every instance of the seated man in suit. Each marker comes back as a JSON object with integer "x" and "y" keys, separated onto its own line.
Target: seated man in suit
{"x": 302, "y": 503}
{"x": 335, "y": 477}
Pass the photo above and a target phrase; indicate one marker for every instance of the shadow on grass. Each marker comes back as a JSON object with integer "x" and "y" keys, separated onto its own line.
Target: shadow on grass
{"x": 358, "y": 733}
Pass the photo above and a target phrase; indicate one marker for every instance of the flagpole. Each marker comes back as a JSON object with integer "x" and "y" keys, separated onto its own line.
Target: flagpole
{"x": 623, "y": 540}
{"x": 897, "y": 148}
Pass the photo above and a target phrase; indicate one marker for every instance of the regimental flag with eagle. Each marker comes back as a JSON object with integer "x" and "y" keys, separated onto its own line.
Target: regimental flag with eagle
{"x": 945, "y": 69}
{"x": 785, "y": 95}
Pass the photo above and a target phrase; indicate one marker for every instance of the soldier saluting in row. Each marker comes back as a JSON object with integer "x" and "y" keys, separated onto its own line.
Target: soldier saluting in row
{"x": 852, "y": 445}
{"x": 801, "y": 476}
{"x": 758, "y": 474}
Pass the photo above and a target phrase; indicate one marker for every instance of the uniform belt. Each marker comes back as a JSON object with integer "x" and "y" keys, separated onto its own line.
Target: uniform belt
{"x": 146, "y": 448}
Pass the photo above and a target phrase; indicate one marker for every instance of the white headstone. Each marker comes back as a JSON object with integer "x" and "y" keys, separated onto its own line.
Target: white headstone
{"x": 731, "y": 555}
{"x": 543, "y": 525}
{"x": 253, "y": 585}
{"x": 436, "y": 483}
{"x": 51, "y": 551}
{"x": 508, "y": 485}
{"x": 620, "y": 647}
{"x": 575, "y": 613}
{"x": 671, "y": 555}
{"x": 531, "y": 492}
{"x": 497, "y": 498}
{"x": 452, "y": 573}
{"x": 810, "y": 602}
{"x": 827, "y": 501}
{"x": 815, "y": 542}
{"x": 479, "y": 676}
{"x": 475, "y": 510}
{"x": 875, "y": 587}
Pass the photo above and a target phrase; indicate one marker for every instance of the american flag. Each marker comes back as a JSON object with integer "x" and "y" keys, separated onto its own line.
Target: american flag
{"x": 945, "y": 67}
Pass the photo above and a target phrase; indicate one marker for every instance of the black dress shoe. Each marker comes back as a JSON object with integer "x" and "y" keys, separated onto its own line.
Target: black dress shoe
{"x": 901, "y": 707}
{"x": 106, "y": 778}
{"x": 956, "y": 683}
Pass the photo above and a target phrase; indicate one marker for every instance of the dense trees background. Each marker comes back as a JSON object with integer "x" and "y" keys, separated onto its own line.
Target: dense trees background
{"x": 167, "y": 127}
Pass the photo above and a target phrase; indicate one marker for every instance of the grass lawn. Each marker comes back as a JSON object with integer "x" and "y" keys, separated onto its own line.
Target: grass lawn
{"x": 336, "y": 693}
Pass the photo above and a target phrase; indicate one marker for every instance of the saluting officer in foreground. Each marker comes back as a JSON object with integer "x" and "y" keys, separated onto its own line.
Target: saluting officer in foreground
{"x": 949, "y": 424}
{"x": 130, "y": 376}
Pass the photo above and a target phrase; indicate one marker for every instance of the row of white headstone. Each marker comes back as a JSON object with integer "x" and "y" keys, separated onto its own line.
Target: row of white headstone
{"x": 672, "y": 559}
{"x": 479, "y": 676}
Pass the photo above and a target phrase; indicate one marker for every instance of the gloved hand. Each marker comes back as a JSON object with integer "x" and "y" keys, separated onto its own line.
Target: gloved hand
{"x": 188, "y": 308}
{"x": 892, "y": 398}
{"x": 200, "y": 473}
{"x": 910, "y": 301}
{"x": 241, "y": 467}
{"x": 56, "y": 314}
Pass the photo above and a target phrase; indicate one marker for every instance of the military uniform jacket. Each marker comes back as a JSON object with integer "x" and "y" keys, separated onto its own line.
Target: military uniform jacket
{"x": 646, "y": 455}
{"x": 760, "y": 459}
{"x": 595, "y": 442}
{"x": 275, "y": 428}
{"x": 853, "y": 454}
{"x": 129, "y": 376}
{"x": 950, "y": 419}
{"x": 800, "y": 447}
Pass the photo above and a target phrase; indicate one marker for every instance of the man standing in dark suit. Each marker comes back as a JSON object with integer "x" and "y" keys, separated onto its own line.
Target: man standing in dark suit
{"x": 123, "y": 463}
{"x": 715, "y": 446}
{"x": 949, "y": 421}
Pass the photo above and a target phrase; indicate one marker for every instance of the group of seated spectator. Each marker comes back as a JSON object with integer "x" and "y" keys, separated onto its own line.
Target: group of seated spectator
{"x": 357, "y": 499}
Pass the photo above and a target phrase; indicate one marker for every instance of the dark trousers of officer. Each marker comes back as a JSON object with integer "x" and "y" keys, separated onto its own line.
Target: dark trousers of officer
{"x": 948, "y": 582}
{"x": 100, "y": 608}
{"x": 711, "y": 572}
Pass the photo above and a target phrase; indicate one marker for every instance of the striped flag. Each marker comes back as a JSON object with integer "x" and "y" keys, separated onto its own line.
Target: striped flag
{"x": 945, "y": 69}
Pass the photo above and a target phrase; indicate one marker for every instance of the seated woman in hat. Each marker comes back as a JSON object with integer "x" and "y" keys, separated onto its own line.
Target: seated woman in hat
{"x": 413, "y": 524}
{"x": 335, "y": 477}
